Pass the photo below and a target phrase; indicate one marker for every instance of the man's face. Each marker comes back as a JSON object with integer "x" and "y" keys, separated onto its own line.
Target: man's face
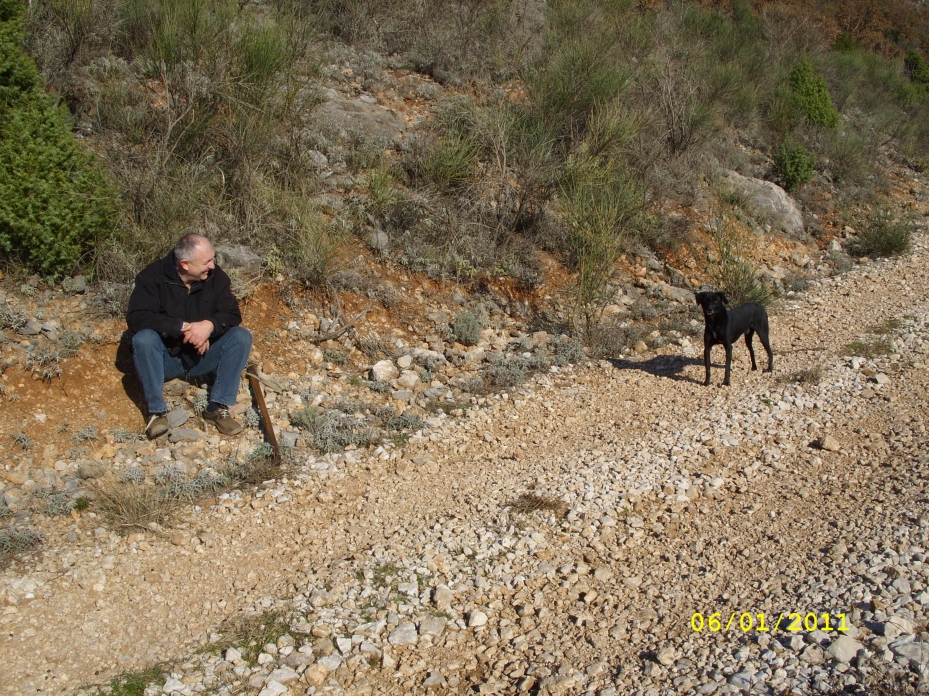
{"x": 198, "y": 267}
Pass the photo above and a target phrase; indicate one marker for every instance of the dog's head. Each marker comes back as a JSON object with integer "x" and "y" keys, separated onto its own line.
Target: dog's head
{"x": 712, "y": 302}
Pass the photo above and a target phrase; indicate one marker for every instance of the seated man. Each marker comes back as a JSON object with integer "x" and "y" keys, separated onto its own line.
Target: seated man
{"x": 185, "y": 320}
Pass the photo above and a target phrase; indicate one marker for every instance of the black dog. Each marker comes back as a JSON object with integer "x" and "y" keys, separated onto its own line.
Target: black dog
{"x": 725, "y": 326}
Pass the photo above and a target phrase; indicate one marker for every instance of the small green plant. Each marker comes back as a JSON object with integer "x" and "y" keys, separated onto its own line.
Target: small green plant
{"x": 305, "y": 418}
{"x": 885, "y": 234}
{"x": 252, "y": 419}
{"x": 467, "y": 327}
{"x": 916, "y": 68}
{"x": 133, "y": 683}
{"x": 869, "y": 348}
{"x": 568, "y": 351}
{"x": 336, "y": 357}
{"x": 15, "y": 541}
{"x": 886, "y": 327}
{"x": 86, "y": 434}
{"x": 58, "y": 504}
{"x": 23, "y": 440}
{"x": 793, "y": 164}
{"x": 133, "y": 474}
{"x": 81, "y": 504}
{"x": 122, "y": 435}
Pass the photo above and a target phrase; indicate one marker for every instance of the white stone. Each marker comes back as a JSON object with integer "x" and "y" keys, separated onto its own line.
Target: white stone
{"x": 274, "y": 688}
{"x": 477, "y": 619}
{"x": 404, "y": 634}
{"x": 384, "y": 371}
{"x": 843, "y": 649}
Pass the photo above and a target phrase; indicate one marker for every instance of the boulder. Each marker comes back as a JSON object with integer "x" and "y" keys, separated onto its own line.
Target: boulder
{"x": 239, "y": 257}
{"x": 384, "y": 371}
{"x": 767, "y": 202}
{"x": 350, "y": 120}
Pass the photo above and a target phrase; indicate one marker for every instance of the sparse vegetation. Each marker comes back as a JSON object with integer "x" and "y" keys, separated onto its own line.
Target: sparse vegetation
{"x": 467, "y": 327}
{"x": 248, "y": 633}
{"x": 527, "y": 503}
{"x": 869, "y": 348}
{"x": 884, "y": 234}
{"x": 733, "y": 272}
{"x": 128, "y": 506}
{"x": 132, "y": 683}
{"x": 808, "y": 375}
{"x": 17, "y": 541}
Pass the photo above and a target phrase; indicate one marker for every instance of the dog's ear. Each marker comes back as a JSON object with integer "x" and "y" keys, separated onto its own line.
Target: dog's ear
{"x": 723, "y": 297}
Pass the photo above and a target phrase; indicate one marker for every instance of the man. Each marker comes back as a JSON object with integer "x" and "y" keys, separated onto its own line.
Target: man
{"x": 185, "y": 320}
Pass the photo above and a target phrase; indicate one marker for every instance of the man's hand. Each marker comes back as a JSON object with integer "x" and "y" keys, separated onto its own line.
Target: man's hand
{"x": 197, "y": 334}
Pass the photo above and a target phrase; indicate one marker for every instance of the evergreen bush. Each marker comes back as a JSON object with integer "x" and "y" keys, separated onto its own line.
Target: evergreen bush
{"x": 55, "y": 204}
{"x": 793, "y": 164}
{"x": 916, "y": 68}
{"x": 809, "y": 96}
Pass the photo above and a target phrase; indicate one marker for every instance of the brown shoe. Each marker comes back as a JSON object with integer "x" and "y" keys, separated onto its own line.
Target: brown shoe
{"x": 157, "y": 426}
{"x": 224, "y": 423}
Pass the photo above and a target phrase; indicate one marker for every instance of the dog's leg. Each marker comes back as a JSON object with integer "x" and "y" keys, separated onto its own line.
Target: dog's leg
{"x": 707, "y": 347}
{"x": 751, "y": 351}
{"x": 763, "y": 335}
{"x": 728, "y": 347}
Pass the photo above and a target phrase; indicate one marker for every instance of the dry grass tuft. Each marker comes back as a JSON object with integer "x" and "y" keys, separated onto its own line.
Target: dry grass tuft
{"x": 248, "y": 633}
{"x": 128, "y": 506}
{"x": 808, "y": 375}
{"x": 528, "y": 503}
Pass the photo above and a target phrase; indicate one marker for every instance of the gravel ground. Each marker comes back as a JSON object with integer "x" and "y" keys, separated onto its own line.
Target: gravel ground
{"x": 560, "y": 539}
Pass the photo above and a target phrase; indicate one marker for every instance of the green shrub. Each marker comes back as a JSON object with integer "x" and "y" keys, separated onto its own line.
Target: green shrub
{"x": 885, "y": 234}
{"x": 793, "y": 164}
{"x": 810, "y": 95}
{"x": 916, "y": 68}
{"x": 467, "y": 328}
{"x": 55, "y": 205}
{"x": 734, "y": 273}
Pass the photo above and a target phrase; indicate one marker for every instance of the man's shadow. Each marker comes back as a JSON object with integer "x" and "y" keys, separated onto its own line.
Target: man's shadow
{"x": 668, "y": 366}
{"x": 131, "y": 384}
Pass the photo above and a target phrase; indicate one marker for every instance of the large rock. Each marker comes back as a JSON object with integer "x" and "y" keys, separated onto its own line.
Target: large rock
{"x": 238, "y": 256}
{"x": 348, "y": 121}
{"x": 843, "y": 649}
{"x": 384, "y": 371}
{"x": 767, "y": 202}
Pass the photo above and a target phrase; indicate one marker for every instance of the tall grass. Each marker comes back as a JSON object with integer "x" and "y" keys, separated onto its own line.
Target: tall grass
{"x": 198, "y": 107}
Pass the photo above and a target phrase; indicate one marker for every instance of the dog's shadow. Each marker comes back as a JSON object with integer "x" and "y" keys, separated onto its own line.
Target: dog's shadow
{"x": 667, "y": 366}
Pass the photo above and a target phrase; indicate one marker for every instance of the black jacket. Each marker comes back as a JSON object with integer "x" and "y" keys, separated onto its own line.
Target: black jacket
{"x": 161, "y": 302}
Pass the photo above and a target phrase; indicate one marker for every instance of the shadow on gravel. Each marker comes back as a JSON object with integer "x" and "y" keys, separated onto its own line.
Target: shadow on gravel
{"x": 126, "y": 366}
{"x": 670, "y": 366}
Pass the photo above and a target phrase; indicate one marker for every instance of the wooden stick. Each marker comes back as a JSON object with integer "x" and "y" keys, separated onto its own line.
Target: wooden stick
{"x": 254, "y": 381}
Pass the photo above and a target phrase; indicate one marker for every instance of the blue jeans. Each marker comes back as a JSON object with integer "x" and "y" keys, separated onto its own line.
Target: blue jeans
{"x": 155, "y": 366}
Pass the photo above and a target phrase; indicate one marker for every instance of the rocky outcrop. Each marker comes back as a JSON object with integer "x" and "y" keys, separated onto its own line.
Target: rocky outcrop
{"x": 768, "y": 203}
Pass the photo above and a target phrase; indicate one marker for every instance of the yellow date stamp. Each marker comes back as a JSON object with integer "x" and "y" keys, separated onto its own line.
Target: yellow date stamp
{"x": 746, "y": 621}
